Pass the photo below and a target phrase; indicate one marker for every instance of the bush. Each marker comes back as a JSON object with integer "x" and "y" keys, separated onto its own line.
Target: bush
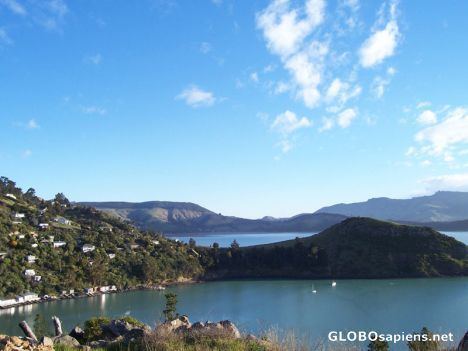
{"x": 93, "y": 328}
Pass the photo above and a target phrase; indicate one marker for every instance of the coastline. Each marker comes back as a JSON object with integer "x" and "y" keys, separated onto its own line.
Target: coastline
{"x": 159, "y": 287}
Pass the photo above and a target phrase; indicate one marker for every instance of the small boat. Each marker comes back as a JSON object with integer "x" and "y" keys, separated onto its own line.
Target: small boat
{"x": 160, "y": 288}
{"x": 314, "y": 291}
{"x": 333, "y": 283}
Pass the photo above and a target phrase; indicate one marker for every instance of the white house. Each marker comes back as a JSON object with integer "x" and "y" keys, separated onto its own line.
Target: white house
{"x": 59, "y": 244}
{"x": 11, "y": 196}
{"x": 113, "y": 288}
{"x": 18, "y": 215}
{"x": 88, "y": 248}
{"x": 29, "y": 272}
{"x": 34, "y": 245}
{"x": 134, "y": 246}
{"x": 111, "y": 255}
{"x": 156, "y": 242}
{"x": 51, "y": 238}
{"x": 62, "y": 220}
{"x": 7, "y": 302}
{"x": 3, "y": 254}
{"x": 31, "y": 258}
{"x": 29, "y": 297}
{"x": 21, "y": 236}
{"x": 16, "y": 222}
{"x": 44, "y": 210}
{"x": 37, "y": 278}
{"x": 104, "y": 289}
{"x": 88, "y": 290}
{"x": 43, "y": 225}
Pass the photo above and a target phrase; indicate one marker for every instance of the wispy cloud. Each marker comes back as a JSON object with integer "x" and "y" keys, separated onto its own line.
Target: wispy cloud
{"x": 94, "y": 110}
{"x": 205, "y": 47}
{"x": 31, "y": 124}
{"x": 14, "y": 6}
{"x": 454, "y": 182}
{"x": 26, "y": 153}
{"x": 427, "y": 117}
{"x": 5, "y": 38}
{"x": 286, "y": 124}
{"x": 95, "y": 59}
{"x": 196, "y": 97}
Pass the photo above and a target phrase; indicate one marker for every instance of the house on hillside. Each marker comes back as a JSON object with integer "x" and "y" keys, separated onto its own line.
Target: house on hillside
{"x": 88, "y": 248}
{"x": 34, "y": 245}
{"x": 88, "y": 290}
{"x": 27, "y": 297}
{"x": 11, "y": 196}
{"x": 62, "y": 220}
{"x": 16, "y": 222}
{"x": 59, "y": 244}
{"x": 21, "y": 236}
{"x": 44, "y": 210}
{"x": 31, "y": 259}
{"x": 134, "y": 246}
{"x": 29, "y": 272}
{"x": 18, "y": 215}
{"x": 43, "y": 226}
{"x": 37, "y": 278}
{"x": 51, "y": 238}
{"x": 2, "y": 255}
{"x": 156, "y": 242}
{"x": 104, "y": 289}
{"x": 111, "y": 256}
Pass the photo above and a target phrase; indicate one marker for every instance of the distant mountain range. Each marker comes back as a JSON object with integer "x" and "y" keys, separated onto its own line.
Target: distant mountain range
{"x": 185, "y": 217}
{"x": 445, "y": 210}
{"x": 443, "y": 206}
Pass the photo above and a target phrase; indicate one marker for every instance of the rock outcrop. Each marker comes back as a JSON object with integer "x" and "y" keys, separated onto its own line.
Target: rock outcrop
{"x": 182, "y": 325}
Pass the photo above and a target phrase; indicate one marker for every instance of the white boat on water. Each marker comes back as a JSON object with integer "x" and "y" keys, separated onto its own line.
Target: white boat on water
{"x": 314, "y": 291}
{"x": 333, "y": 283}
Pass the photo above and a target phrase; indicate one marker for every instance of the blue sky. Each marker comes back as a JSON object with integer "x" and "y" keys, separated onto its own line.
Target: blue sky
{"x": 248, "y": 108}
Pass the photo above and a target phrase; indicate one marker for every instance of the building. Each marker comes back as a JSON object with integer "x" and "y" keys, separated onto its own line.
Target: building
{"x": 11, "y": 196}
{"x": 29, "y": 272}
{"x": 21, "y": 236}
{"x": 59, "y": 244}
{"x": 62, "y": 220}
{"x": 156, "y": 242}
{"x": 104, "y": 289}
{"x": 43, "y": 226}
{"x": 28, "y": 297}
{"x": 34, "y": 245}
{"x": 37, "y": 278}
{"x": 51, "y": 238}
{"x": 7, "y": 303}
{"x": 31, "y": 258}
{"x": 88, "y": 248}
{"x": 18, "y": 215}
{"x": 3, "y": 255}
{"x": 111, "y": 255}
{"x": 134, "y": 246}
{"x": 89, "y": 290}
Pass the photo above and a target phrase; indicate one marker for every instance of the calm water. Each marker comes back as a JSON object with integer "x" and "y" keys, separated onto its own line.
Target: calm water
{"x": 390, "y": 306}
{"x": 249, "y": 239}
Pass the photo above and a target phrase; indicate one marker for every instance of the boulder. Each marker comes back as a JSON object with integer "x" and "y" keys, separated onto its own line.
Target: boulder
{"x": 178, "y": 324}
{"x": 230, "y": 329}
{"x": 118, "y": 327}
{"x": 46, "y": 341}
{"x": 66, "y": 340}
{"x": 77, "y": 333}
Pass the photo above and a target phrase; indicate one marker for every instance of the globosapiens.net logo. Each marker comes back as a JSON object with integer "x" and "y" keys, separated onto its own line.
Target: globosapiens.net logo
{"x": 369, "y": 336}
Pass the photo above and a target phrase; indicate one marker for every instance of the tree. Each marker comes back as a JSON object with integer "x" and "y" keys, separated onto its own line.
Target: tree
{"x": 235, "y": 245}
{"x": 423, "y": 345}
{"x": 378, "y": 345}
{"x": 192, "y": 243}
{"x": 170, "y": 312}
{"x": 40, "y": 326}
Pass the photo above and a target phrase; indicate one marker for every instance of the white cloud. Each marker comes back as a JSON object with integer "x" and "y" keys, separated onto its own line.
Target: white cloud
{"x": 32, "y": 124}
{"x": 217, "y": 2}
{"x": 285, "y": 30}
{"x": 205, "y": 47}
{"x": 196, "y": 97}
{"x": 446, "y": 134}
{"x": 423, "y": 104}
{"x": 327, "y": 124}
{"x": 57, "y": 7}
{"x": 254, "y": 77}
{"x": 345, "y": 117}
{"x": 427, "y": 117}
{"x": 93, "y": 59}
{"x": 341, "y": 91}
{"x": 14, "y": 6}
{"x": 382, "y": 43}
{"x": 458, "y": 182}
{"x": 287, "y": 122}
{"x": 281, "y": 87}
{"x": 94, "y": 110}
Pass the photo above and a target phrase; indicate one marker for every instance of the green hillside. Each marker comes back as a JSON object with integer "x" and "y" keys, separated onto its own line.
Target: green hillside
{"x": 52, "y": 235}
{"x": 354, "y": 248}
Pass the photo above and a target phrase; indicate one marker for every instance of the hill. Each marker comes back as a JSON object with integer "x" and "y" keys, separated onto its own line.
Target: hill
{"x": 443, "y": 206}
{"x": 354, "y": 248}
{"x": 51, "y": 246}
{"x": 185, "y": 217}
